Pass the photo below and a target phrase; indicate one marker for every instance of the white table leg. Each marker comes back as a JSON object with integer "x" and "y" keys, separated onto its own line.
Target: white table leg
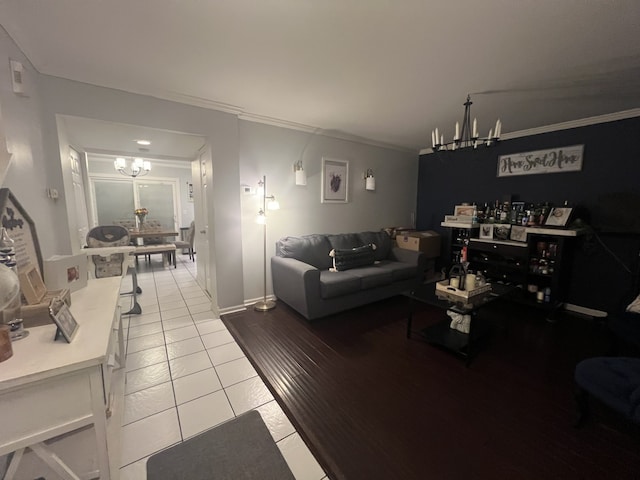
{"x": 13, "y": 465}
{"x": 51, "y": 459}
{"x": 100, "y": 424}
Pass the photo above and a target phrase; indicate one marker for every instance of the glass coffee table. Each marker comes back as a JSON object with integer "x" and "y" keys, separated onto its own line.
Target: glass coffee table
{"x": 463, "y": 344}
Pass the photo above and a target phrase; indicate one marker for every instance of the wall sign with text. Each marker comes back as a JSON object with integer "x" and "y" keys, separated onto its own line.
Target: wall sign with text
{"x": 554, "y": 160}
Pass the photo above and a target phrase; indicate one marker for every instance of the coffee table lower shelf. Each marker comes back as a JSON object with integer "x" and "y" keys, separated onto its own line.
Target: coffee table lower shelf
{"x": 442, "y": 335}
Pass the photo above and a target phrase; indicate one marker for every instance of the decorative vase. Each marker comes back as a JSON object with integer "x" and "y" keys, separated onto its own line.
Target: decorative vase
{"x": 141, "y": 217}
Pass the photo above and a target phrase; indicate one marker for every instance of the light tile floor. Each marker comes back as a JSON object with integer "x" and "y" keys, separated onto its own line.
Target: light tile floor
{"x": 186, "y": 374}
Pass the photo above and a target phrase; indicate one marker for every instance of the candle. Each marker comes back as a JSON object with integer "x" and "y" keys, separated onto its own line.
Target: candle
{"x": 437, "y": 135}
{"x": 455, "y": 282}
{"x": 457, "y": 131}
{"x": 475, "y": 128}
{"x": 433, "y": 138}
{"x": 441, "y": 139}
{"x": 470, "y": 281}
{"x": 489, "y": 137}
{"x": 498, "y": 129}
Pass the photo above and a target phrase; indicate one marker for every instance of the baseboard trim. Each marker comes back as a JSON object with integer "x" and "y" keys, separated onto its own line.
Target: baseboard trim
{"x": 234, "y": 309}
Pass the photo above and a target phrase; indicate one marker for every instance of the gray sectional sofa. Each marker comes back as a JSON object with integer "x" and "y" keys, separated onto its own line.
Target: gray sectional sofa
{"x": 309, "y": 280}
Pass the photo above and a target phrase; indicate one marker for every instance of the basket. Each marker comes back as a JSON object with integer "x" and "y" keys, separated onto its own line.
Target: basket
{"x": 465, "y": 298}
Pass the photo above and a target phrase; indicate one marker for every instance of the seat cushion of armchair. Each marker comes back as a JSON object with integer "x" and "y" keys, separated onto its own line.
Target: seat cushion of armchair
{"x": 615, "y": 381}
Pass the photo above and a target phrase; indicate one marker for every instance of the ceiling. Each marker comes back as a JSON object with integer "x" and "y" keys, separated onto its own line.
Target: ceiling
{"x": 388, "y": 71}
{"x": 113, "y": 139}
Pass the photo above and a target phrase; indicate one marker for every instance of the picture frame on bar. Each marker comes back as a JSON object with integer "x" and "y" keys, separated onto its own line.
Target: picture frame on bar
{"x": 486, "y": 231}
{"x": 558, "y": 217}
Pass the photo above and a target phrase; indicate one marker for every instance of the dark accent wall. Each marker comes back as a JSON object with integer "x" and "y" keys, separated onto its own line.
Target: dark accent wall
{"x": 605, "y": 194}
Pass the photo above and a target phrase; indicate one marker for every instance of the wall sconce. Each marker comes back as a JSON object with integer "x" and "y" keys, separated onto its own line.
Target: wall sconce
{"x": 369, "y": 180}
{"x": 301, "y": 176}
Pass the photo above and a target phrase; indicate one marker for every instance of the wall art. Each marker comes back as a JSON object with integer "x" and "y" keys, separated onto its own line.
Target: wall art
{"x": 553, "y": 160}
{"x": 335, "y": 181}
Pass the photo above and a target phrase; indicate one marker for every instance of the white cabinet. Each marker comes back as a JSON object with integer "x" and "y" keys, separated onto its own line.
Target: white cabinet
{"x": 49, "y": 387}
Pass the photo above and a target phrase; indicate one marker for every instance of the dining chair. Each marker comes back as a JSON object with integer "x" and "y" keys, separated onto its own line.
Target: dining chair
{"x": 152, "y": 224}
{"x": 187, "y": 243}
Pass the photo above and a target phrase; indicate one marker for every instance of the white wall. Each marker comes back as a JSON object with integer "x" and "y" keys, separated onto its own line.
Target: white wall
{"x": 64, "y": 97}
{"x": 242, "y": 152}
{"x": 272, "y": 151}
{"x": 30, "y": 170}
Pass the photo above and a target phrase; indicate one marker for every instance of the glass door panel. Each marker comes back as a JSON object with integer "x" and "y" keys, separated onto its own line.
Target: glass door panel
{"x": 159, "y": 199}
{"x": 114, "y": 201}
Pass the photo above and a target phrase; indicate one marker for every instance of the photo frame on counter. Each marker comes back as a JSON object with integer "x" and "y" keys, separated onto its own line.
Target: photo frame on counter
{"x": 486, "y": 231}
{"x": 31, "y": 285}
{"x": 62, "y": 317}
{"x": 501, "y": 231}
{"x": 558, "y": 217}
{"x": 518, "y": 234}
{"x": 463, "y": 210}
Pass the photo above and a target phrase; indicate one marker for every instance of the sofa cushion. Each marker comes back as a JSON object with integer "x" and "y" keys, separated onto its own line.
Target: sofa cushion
{"x": 345, "y": 241}
{"x": 380, "y": 239}
{"x": 372, "y": 276}
{"x": 312, "y": 249}
{"x": 399, "y": 270}
{"x": 335, "y": 284}
{"x": 352, "y": 258}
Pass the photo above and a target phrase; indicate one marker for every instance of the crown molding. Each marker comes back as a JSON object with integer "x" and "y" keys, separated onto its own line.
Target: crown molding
{"x": 582, "y": 122}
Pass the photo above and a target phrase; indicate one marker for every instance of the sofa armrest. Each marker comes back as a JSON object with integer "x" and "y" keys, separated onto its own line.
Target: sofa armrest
{"x": 409, "y": 256}
{"x": 296, "y": 283}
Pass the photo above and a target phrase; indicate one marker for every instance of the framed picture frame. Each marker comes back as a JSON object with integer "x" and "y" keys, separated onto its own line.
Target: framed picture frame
{"x": 518, "y": 234}
{"x": 31, "y": 284}
{"x": 501, "y": 231}
{"x": 62, "y": 317}
{"x": 335, "y": 181}
{"x": 463, "y": 211}
{"x": 486, "y": 231}
{"x": 558, "y": 217}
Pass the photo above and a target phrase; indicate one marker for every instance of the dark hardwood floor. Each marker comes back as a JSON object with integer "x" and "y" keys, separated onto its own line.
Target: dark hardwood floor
{"x": 372, "y": 404}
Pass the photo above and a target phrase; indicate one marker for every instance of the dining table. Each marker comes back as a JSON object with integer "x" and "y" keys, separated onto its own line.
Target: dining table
{"x": 136, "y": 233}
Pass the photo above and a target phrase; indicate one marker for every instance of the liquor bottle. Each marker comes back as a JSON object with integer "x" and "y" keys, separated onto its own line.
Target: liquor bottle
{"x": 474, "y": 215}
{"x": 504, "y": 212}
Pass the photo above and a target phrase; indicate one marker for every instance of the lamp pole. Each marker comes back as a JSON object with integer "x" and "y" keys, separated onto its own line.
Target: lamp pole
{"x": 264, "y": 305}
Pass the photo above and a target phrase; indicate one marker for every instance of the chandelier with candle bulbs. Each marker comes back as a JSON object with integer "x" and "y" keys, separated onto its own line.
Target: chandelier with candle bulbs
{"x": 469, "y": 136}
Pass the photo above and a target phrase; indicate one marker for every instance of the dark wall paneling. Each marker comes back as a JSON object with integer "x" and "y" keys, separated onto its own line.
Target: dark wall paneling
{"x": 606, "y": 193}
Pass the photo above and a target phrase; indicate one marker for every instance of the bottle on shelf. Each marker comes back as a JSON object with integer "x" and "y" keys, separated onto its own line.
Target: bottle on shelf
{"x": 474, "y": 215}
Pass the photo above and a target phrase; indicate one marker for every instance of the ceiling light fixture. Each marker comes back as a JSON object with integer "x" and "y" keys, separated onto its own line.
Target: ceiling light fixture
{"x": 143, "y": 142}
{"x": 138, "y": 167}
{"x": 469, "y": 136}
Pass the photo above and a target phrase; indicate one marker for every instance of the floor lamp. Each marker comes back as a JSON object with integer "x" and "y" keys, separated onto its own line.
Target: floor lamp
{"x": 265, "y": 305}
